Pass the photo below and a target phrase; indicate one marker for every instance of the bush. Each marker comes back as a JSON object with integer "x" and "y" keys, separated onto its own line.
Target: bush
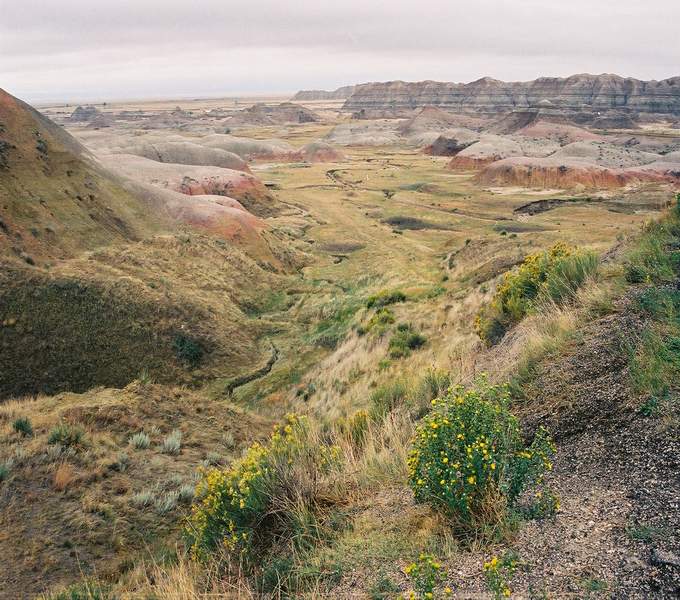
{"x": 268, "y": 495}
{"x": 142, "y": 499}
{"x": 188, "y": 350}
{"x": 23, "y": 426}
{"x": 166, "y": 502}
{"x": 172, "y": 443}
{"x": 140, "y": 440}
{"x": 404, "y": 341}
{"x": 335, "y": 321}
{"x": 380, "y": 322}
{"x": 355, "y": 428}
{"x": 425, "y": 574}
{"x": 385, "y": 297}
{"x": 386, "y": 398}
{"x": 468, "y": 458}
{"x": 66, "y": 435}
{"x": 550, "y": 276}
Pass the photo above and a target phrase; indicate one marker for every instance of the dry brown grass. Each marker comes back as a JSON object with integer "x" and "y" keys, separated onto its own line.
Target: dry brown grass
{"x": 64, "y": 476}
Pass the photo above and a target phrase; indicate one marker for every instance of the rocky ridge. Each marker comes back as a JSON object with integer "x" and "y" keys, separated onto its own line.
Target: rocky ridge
{"x": 576, "y": 93}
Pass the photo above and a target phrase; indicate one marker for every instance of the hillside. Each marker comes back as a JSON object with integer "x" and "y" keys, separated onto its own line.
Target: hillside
{"x": 55, "y": 200}
{"x": 94, "y": 289}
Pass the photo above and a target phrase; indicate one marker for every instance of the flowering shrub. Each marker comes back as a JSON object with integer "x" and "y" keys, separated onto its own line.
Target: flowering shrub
{"x": 468, "y": 458}
{"x": 425, "y": 574}
{"x": 554, "y": 275}
{"x": 261, "y": 495}
{"x": 497, "y": 572}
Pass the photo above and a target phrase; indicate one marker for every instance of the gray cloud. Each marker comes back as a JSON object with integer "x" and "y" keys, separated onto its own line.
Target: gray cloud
{"x": 78, "y": 49}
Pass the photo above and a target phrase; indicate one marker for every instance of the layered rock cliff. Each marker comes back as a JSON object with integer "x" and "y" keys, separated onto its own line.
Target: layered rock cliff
{"x": 341, "y": 93}
{"x": 579, "y": 93}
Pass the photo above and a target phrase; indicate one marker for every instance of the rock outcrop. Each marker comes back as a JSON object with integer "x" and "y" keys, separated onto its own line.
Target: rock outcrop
{"x": 342, "y": 93}
{"x": 195, "y": 180}
{"x": 279, "y": 114}
{"x": 580, "y": 93}
{"x": 84, "y": 114}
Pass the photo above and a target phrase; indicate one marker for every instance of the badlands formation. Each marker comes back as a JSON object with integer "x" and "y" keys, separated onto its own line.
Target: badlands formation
{"x": 177, "y": 276}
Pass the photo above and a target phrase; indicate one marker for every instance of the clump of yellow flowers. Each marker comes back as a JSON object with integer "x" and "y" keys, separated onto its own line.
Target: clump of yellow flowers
{"x": 497, "y": 572}
{"x": 232, "y": 510}
{"x": 553, "y": 274}
{"x": 426, "y": 574}
{"x": 468, "y": 458}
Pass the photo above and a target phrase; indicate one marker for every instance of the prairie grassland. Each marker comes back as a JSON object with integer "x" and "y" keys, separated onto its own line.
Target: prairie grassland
{"x": 394, "y": 219}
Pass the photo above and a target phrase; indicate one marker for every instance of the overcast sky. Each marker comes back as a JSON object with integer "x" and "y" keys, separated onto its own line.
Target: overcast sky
{"x": 127, "y": 49}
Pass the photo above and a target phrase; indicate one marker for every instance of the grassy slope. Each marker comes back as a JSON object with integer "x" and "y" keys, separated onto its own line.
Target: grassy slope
{"x": 54, "y": 202}
{"x": 84, "y": 303}
{"x": 67, "y": 510}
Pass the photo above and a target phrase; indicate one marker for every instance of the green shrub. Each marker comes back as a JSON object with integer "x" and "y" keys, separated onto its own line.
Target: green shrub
{"x": 335, "y": 321}
{"x": 87, "y": 590}
{"x": 4, "y": 471}
{"x": 380, "y": 322}
{"x": 550, "y": 276}
{"x": 23, "y": 426}
{"x": 268, "y": 495}
{"x": 468, "y": 458}
{"x": 385, "y": 297}
{"x": 404, "y": 341}
{"x": 386, "y": 398}
{"x": 66, "y": 435}
{"x": 188, "y": 349}
{"x": 425, "y": 574}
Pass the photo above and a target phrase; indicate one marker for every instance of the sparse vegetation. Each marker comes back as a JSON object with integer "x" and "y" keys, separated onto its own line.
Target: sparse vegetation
{"x": 65, "y": 435}
{"x": 385, "y": 298}
{"x": 140, "y": 441}
{"x": 404, "y": 340}
{"x": 23, "y": 426}
{"x": 172, "y": 443}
